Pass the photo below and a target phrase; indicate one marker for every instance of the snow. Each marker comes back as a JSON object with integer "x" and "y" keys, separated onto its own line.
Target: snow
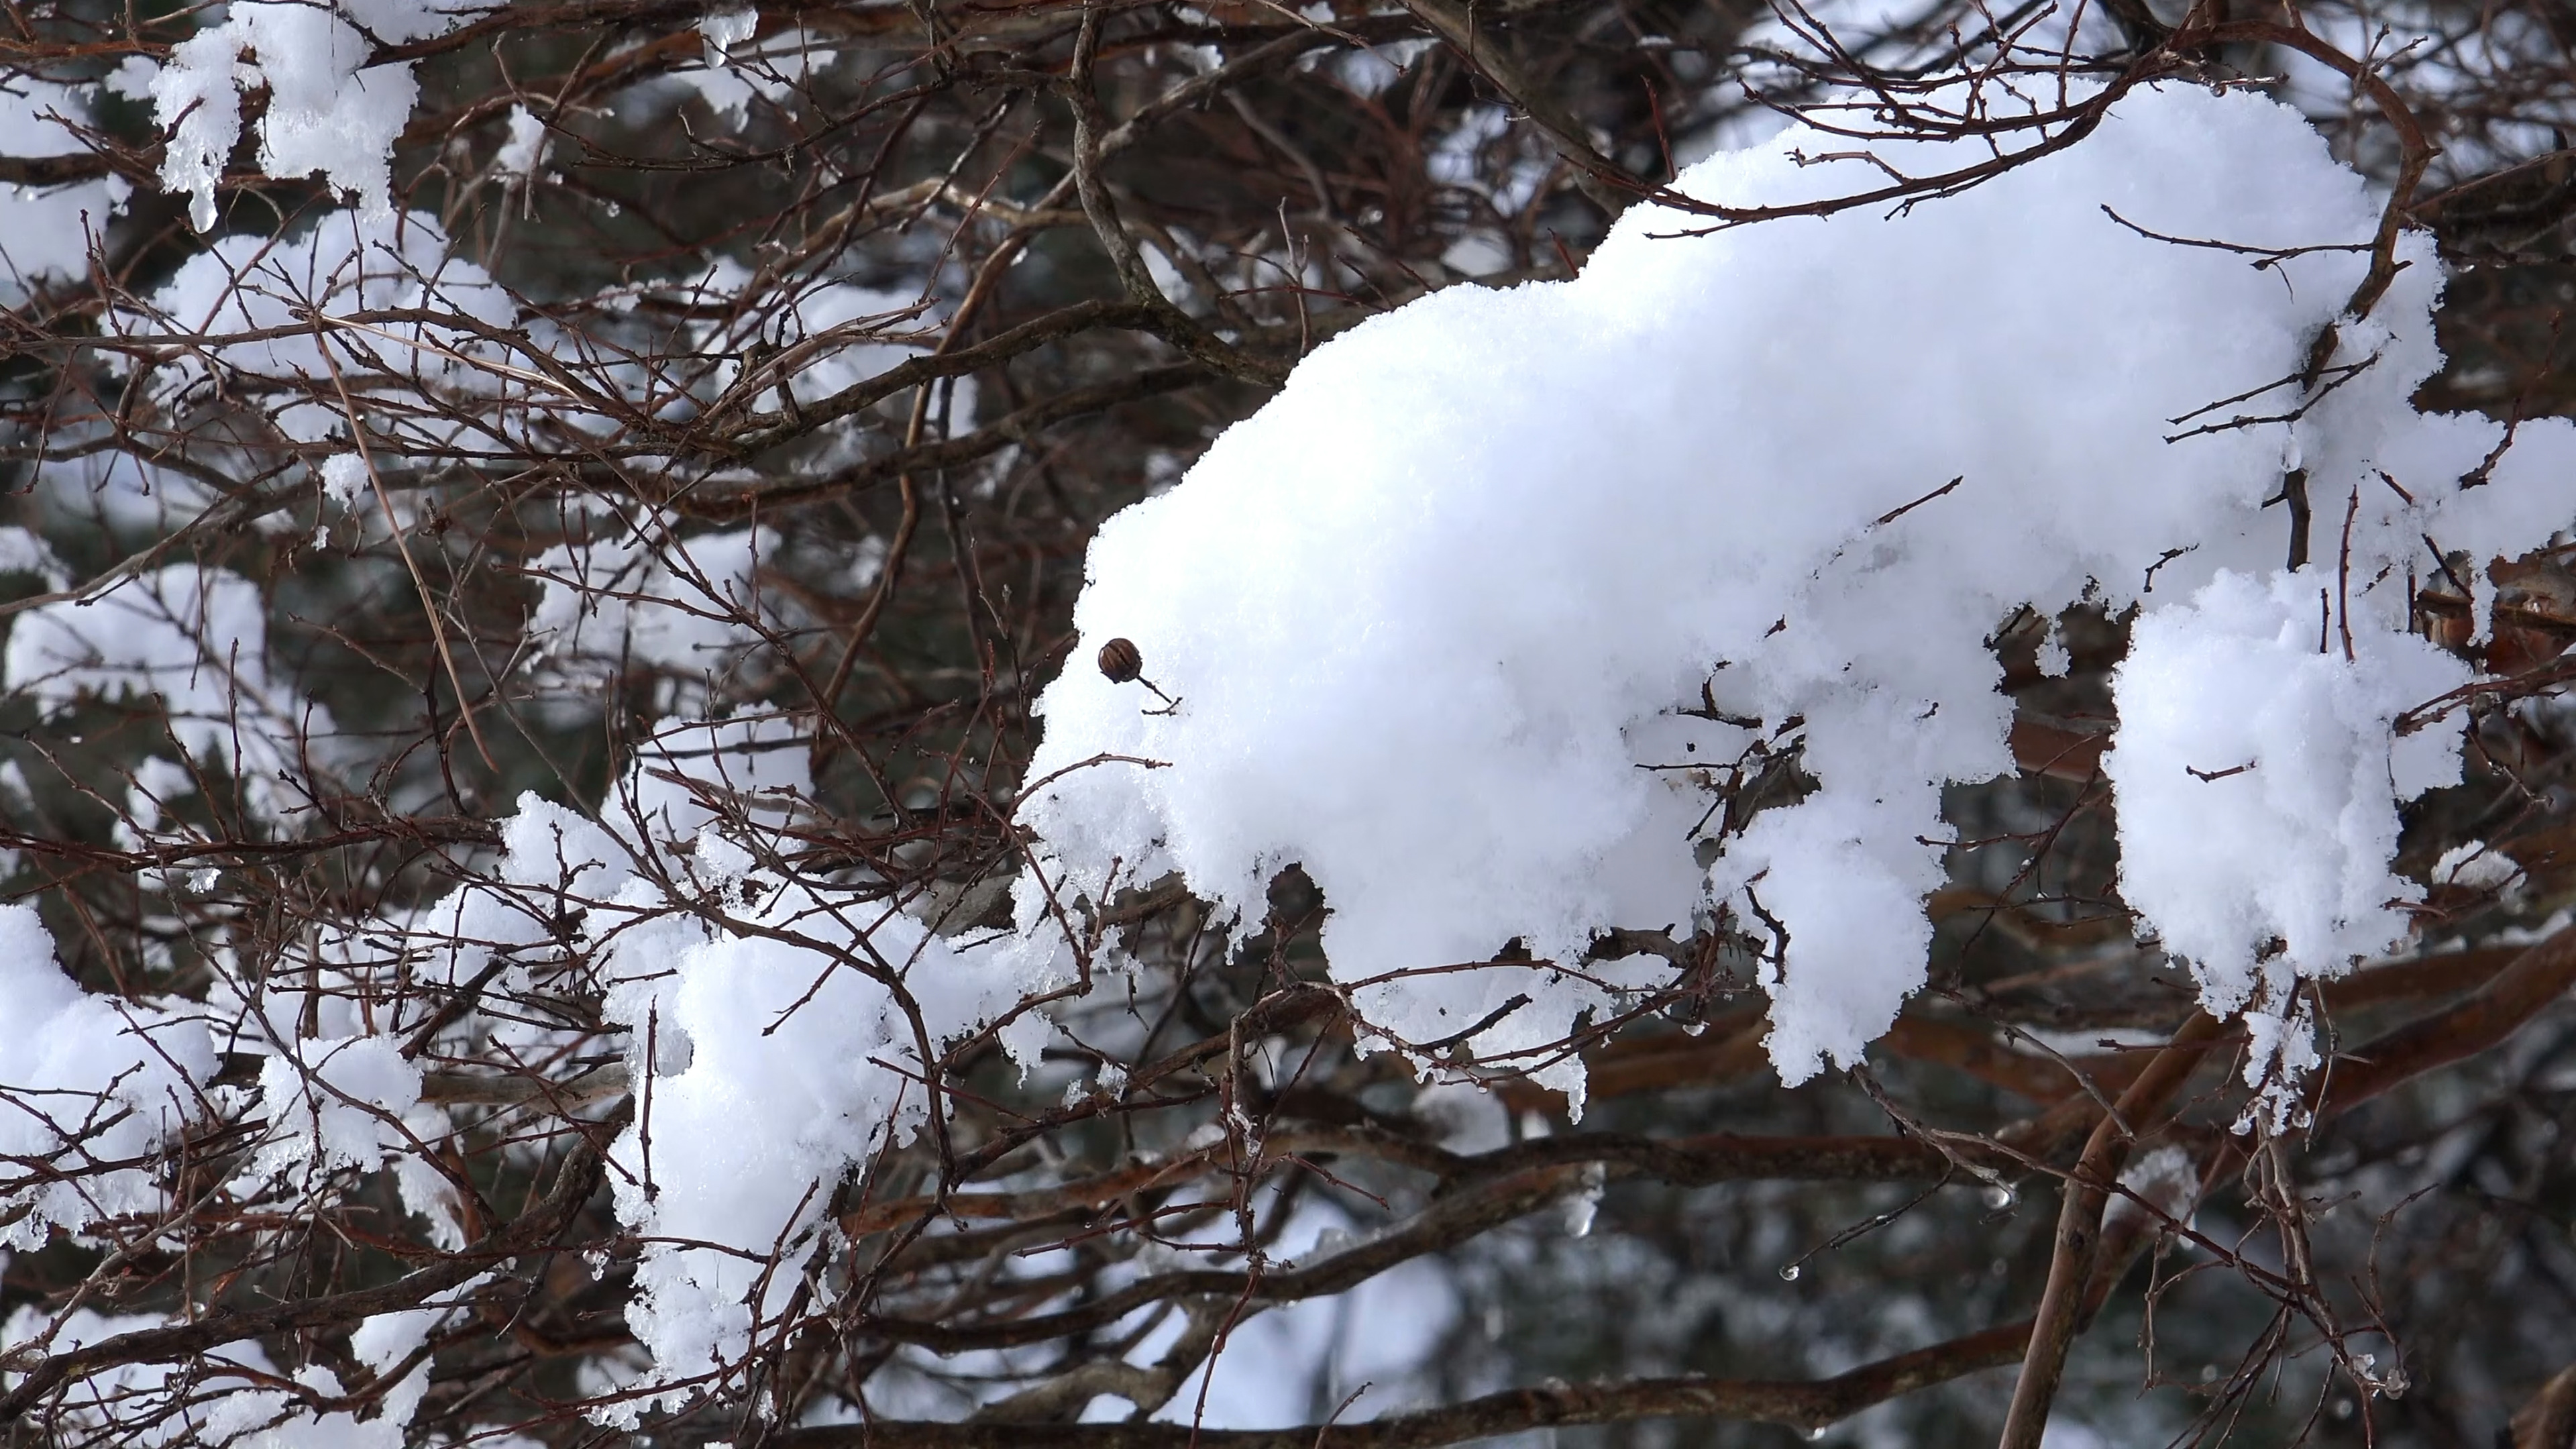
{"x": 778, "y": 1048}
{"x": 725, "y": 29}
{"x": 829, "y": 334}
{"x": 1464, "y": 623}
{"x": 777, "y": 1100}
{"x": 1430, "y": 610}
{"x": 2275, "y": 763}
{"x": 1303, "y": 1361}
{"x": 344, "y": 480}
{"x": 83, "y": 1079}
{"x": 691, "y": 775}
{"x": 749, "y": 1137}
{"x": 2475, "y": 865}
{"x": 396, "y": 22}
{"x": 212, "y": 1399}
{"x": 346, "y": 265}
{"x": 525, "y": 151}
{"x": 844, "y": 332}
{"x": 158, "y": 634}
{"x": 619, "y": 598}
{"x": 45, "y": 233}
{"x": 782, "y": 1044}
{"x": 24, "y": 552}
{"x": 333, "y": 1102}
{"x": 737, "y": 68}
{"x": 328, "y": 113}
{"x": 121, "y": 1396}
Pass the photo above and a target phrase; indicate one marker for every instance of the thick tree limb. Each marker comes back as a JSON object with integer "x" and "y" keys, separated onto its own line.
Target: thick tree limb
{"x": 2537, "y": 977}
{"x": 2548, "y": 1421}
{"x": 2079, "y": 1225}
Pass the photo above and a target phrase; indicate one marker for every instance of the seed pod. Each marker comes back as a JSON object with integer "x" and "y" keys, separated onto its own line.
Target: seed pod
{"x": 1121, "y": 661}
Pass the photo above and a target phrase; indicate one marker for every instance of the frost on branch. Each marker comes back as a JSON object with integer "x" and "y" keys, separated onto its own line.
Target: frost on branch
{"x": 1450, "y": 616}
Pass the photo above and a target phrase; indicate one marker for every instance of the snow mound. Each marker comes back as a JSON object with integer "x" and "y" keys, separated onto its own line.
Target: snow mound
{"x": 1453, "y": 619}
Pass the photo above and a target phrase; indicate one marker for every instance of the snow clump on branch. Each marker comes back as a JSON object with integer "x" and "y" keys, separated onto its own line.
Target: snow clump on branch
{"x": 1449, "y": 614}
{"x": 329, "y": 113}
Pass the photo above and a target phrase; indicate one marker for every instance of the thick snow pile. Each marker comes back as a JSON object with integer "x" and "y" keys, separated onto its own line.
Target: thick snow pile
{"x": 83, "y": 1080}
{"x": 1469, "y": 623}
{"x": 793, "y": 1065}
{"x": 2234, "y": 727}
{"x": 1434, "y": 615}
{"x": 2278, "y": 764}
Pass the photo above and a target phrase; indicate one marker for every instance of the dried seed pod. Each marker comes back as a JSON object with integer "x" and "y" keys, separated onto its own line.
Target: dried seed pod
{"x": 1121, "y": 661}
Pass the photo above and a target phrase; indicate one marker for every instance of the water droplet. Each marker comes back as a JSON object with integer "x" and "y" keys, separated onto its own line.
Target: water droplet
{"x": 1999, "y": 1197}
{"x": 1789, "y": 1273}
